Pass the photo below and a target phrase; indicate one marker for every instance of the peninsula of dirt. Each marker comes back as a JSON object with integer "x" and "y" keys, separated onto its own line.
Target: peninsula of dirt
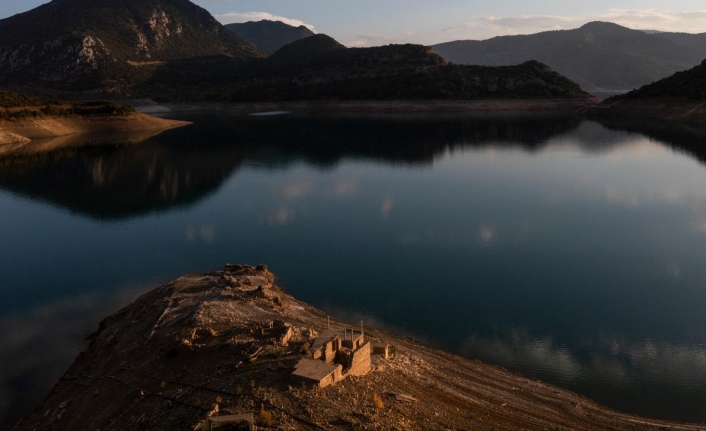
{"x": 26, "y": 129}
{"x": 24, "y": 118}
{"x": 230, "y": 349}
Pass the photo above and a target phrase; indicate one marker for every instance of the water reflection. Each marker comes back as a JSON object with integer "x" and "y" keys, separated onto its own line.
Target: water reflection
{"x": 180, "y": 167}
{"x": 561, "y": 248}
{"x": 628, "y": 375}
{"x": 687, "y": 138}
{"x": 114, "y": 183}
{"x": 37, "y": 346}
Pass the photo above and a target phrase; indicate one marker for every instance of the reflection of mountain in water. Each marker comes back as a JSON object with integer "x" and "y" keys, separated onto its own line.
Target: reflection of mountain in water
{"x": 407, "y": 139}
{"x": 107, "y": 183}
{"x": 181, "y": 166}
{"x": 687, "y": 138}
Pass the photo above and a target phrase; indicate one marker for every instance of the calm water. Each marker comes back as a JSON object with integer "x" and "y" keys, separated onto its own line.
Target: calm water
{"x": 569, "y": 251}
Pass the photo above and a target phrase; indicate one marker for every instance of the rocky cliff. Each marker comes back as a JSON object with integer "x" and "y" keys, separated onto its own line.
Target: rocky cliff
{"x": 83, "y": 44}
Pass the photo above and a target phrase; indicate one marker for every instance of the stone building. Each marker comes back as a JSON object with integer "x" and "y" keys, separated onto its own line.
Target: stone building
{"x": 333, "y": 358}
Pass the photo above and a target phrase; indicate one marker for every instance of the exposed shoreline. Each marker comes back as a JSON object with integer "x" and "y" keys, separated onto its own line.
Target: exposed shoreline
{"x": 17, "y": 134}
{"x": 200, "y": 347}
{"x": 671, "y": 109}
{"x": 379, "y": 106}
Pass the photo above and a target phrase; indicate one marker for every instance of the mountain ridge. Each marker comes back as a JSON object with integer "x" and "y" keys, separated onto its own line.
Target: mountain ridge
{"x": 679, "y": 98}
{"x": 175, "y": 50}
{"x": 319, "y": 68}
{"x": 689, "y": 84}
{"x": 269, "y": 36}
{"x": 598, "y": 55}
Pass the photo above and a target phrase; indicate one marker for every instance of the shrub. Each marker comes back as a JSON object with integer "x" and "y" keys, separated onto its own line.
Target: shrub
{"x": 101, "y": 108}
{"x": 378, "y": 402}
{"x": 22, "y": 113}
{"x": 17, "y": 100}
{"x": 54, "y": 111}
{"x": 264, "y": 418}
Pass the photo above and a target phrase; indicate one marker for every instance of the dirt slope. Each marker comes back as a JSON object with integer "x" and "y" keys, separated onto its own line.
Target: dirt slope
{"x": 204, "y": 345}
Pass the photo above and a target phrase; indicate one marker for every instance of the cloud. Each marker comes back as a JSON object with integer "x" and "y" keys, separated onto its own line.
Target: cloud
{"x": 236, "y": 17}
{"x": 281, "y": 216}
{"x": 203, "y": 233}
{"x": 699, "y": 226}
{"x": 647, "y": 19}
{"x": 343, "y": 188}
{"x": 622, "y": 197}
{"x": 674, "y": 271}
{"x": 484, "y": 27}
{"x": 610, "y": 359}
{"x": 386, "y": 207}
{"x": 486, "y": 234}
{"x": 377, "y": 39}
{"x": 295, "y": 190}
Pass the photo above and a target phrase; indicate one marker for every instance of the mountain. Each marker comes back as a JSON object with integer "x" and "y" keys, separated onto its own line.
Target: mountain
{"x": 269, "y": 36}
{"x": 319, "y": 68}
{"x": 102, "y": 43}
{"x": 678, "y": 98}
{"x": 694, "y": 41}
{"x": 598, "y": 56}
{"x": 306, "y": 49}
{"x": 689, "y": 84}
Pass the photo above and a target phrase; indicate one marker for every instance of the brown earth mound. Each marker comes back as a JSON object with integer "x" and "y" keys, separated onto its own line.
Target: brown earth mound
{"x": 32, "y": 135}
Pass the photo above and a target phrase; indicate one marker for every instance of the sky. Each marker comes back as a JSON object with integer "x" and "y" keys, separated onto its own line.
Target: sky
{"x": 381, "y": 22}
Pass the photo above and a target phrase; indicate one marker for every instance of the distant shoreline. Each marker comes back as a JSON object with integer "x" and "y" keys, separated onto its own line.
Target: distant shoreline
{"x": 677, "y": 110}
{"x": 563, "y": 105}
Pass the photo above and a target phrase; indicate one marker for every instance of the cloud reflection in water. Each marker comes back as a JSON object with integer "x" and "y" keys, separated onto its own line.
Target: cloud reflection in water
{"x": 38, "y": 345}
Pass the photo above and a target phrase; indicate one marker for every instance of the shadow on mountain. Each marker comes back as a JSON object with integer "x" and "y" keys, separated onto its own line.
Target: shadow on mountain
{"x": 180, "y": 167}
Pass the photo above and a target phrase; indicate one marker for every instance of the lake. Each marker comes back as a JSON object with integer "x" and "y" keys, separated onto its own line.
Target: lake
{"x": 561, "y": 248}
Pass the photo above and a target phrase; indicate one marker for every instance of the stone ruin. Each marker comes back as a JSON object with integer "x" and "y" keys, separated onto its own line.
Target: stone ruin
{"x": 333, "y": 356}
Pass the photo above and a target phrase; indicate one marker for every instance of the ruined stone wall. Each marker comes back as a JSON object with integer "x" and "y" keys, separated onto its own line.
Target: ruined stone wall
{"x": 382, "y": 350}
{"x": 332, "y": 378}
{"x": 354, "y": 343}
{"x": 326, "y": 381}
{"x": 318, "y": 353}
{"x": 360, "y": 361}
{"x": 330, "y": 349}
